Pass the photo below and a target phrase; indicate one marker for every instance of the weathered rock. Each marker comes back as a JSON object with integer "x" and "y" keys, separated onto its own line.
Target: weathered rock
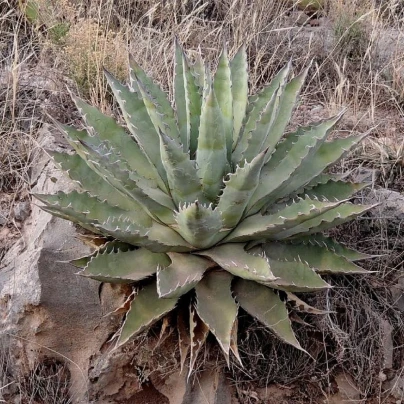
{"x": 48, "y": 310}
{"x": 389, "y": 213}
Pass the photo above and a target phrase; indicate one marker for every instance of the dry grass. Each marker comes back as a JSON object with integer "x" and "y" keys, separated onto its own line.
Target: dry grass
{"x": 47, "y": 382}
{"x": 358, "y": 63}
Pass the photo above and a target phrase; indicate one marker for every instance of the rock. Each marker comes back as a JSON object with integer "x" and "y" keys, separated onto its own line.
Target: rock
{"x": 347, "y": 391}
{"x": 48, "y": 310}
{"x": 22, "y": 210}
{"x": 390, "y": 211}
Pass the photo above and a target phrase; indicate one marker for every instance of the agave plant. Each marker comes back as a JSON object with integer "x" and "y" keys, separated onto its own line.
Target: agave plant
{"x": 208, "y": 206}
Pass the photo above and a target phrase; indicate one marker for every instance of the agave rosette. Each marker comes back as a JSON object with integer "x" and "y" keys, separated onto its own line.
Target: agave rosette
{"x": 208, "y": 202}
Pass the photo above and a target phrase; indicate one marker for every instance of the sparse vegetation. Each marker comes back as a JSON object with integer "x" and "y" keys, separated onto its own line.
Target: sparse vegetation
{"x": 357, "y": 52}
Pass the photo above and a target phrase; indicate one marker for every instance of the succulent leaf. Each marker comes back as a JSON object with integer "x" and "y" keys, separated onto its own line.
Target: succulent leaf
{"x": 198, "y": 70}
{"x": 266, "y": 306}
{"x": 328, "y": 153}
{"x": 295, "y": 276}
{"x": 108, "y": 129}
{"x": 187, "y": 100}
{"x": 140, "y": 126}
{"x": 181, "y": 275}
{"x": 331, "y": 218}
{"x": 223, "y": 91}
{"x": 183, "y": 181}
{"x": 211, "y": 155}
{"x": 154, "y": 201}
{"x": 239, "y": 89}
{"x": 290, "y": 216}
{"x": 108, "y": 247}
{"x": 145, "y": 309}
{"x": 82, "y": 207}
{"x": 181, "y": 97}
{"x": 79, "y": 171}
{"x": 213, "y": 292}
{"x": 287, "y": 102}
{"x": 319, "y": 258}
{"x": 234, "y": 259}
{"x": 334, "y": 190}
{"x": 124, "y": 266}
{"x": 332, "y": 245}
{"x": 238, "y": 190}
{"x": 198, "y": 224}
{"x": 255, "y": 106}
{"x": 263, "y": 126}
{"x": 198, "y": 332}
{"x": 155, "y": 100}
{"x": 302, "y": 306}
{"x": 277, "y": 181}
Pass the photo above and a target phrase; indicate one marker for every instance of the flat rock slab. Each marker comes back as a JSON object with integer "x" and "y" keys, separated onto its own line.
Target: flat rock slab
{"x": 47, "y": 311}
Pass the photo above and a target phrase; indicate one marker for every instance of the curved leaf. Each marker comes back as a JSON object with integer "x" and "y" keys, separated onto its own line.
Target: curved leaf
{"x": 199, "y": 332}
{"x": 263, "y": 304}
{"x": 108, "y": 247}
{"x": 328, "y": 154}
{"x": 124, "y": 266}
{"x": 187, "y": 100}
{"x": 319, "y": 258}
{"x": 334, "y": 190}
{"x": 239, "y": 89}
{"x": 302, "y": 306}
{"x": 156, "y": 101}
{"x": 287, "y": 103}
{"x": 255, "y": 106}
{"x": 234, "y": 259}
{"x": 89, "y": 180}
{"x": 198, "y": 224}
{"x": 211, "y": 154}
{"x": 270, "y": 226}
{"x": 184, "y": 183}
{"x": 224, "y": 95}
{"x": 333, "y": 217}
{"x": 212, "y": 292}
{"x": 145, "y": 309}
{"x": 107, "y": 129}
{"x": 275, "y": 181}
{"x": 295, "y": 276}
{"x": 238, "y": 190}
{"x": 181, "y": 275}
{"x": 141, "y": 127}
{"x": 332, "y": 245}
